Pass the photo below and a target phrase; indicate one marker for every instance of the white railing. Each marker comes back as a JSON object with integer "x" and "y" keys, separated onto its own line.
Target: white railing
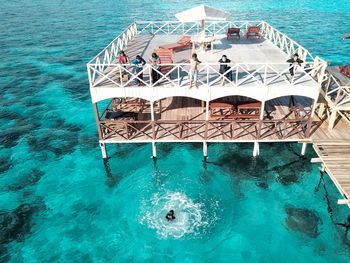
{"x": 110, "y": 53}
{"x": 258, "y": 74}
{"x": 191, "y": 28}
{"x": 103, "y": 67}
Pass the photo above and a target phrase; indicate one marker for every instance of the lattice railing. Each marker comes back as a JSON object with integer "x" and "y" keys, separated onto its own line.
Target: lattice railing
{"x": 234, "y": 129}
{"x": 110, "y": 53}
{"x": 257, "y": 74}
{"x": 191, "y": 28}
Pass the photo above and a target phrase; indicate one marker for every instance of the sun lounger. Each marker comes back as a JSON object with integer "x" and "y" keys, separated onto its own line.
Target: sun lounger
{"x": 184, "y": 42}
{"x": 166, "y": 57}
{"x": 232, "y": 32}
{"x": 345, "y": 69}
{"x": 253, "y": 31}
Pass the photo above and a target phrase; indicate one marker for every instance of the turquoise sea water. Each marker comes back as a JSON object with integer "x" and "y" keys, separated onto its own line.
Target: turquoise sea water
{"x": 59, "y": 202}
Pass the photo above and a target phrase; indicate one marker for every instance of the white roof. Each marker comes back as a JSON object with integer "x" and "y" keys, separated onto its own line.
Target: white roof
{"x": 202, "y": 12}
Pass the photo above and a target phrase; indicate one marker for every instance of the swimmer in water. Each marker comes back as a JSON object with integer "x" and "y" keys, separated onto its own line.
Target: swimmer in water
{"x": 170, "y": 216}
{"x": 346, "y": 224}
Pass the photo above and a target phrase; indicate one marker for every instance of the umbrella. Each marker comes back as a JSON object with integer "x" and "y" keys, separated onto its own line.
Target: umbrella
{"x": 202, "y": 13}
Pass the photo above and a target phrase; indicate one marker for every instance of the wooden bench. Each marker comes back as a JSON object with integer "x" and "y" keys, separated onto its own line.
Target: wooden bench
{"x": 249, "y": 110}
{"x": 233, "y": 32}
{"x": 253, "y": 31}
{"x": 225, "y": 110}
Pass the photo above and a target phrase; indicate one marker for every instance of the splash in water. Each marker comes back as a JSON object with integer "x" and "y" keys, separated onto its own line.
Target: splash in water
{"x": 191, "y": 218}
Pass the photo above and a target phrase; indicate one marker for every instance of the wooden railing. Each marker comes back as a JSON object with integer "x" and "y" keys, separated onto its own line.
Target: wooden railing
{"x": 198, "y": 130}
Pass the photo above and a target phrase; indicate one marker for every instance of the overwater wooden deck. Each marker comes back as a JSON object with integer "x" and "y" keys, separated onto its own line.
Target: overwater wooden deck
{"x": 335, "y": 158}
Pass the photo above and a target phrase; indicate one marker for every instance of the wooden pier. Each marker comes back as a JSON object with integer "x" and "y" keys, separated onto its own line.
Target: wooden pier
{"x": 257, "y": 105}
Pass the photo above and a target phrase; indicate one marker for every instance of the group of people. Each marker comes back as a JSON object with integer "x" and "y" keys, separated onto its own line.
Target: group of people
{"x": 224, "y": 62}
{"x": 139, "y": 62}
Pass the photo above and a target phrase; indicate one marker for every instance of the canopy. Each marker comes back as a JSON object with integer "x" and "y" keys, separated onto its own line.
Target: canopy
{"x": 202, "y": 12}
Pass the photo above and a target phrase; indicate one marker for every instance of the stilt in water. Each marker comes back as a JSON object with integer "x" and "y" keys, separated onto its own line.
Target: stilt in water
{"x": 303, "y": 148}
{"x": 154, "y": 150}
{"x": 205, "y": 151}
{"x": 103, "y": 150}
{"x": 256, "y": 149}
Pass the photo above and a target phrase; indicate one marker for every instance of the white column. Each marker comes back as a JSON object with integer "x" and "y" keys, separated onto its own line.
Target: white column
{"x": 103, "y": 150}
{"x": 256, "y": 149}
{"x": 154, "y": 150}
{"x": 152, "y": 111}
{"x": 205, "y": 150}
{"x": 303, "y": 148}
{"x": 207, "y": 110}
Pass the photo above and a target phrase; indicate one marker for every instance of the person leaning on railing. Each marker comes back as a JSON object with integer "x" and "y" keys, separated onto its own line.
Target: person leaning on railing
{"x": 294, "y": 62}
{"x": 123, "y": 59}
{"x": 225, "y": 67}
{"x": 139, "y": 62}
{"x": 155, "y": 62}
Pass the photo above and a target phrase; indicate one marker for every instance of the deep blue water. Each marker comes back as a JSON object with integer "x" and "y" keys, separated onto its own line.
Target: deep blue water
{"x": 60, "y": 203}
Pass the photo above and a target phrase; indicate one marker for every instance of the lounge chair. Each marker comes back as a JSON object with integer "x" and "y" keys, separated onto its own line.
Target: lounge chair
{"x": 184, "y": 42}
{"x": 232, "y": 32}
{"x": 166, "y": 57}
{"x": 345, "y": 69}
{"x": 253, "y": 31}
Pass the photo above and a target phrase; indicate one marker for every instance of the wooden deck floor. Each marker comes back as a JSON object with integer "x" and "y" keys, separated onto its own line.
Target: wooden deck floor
{"x": 335, "y": 156}
{"x": 251, "y": 53}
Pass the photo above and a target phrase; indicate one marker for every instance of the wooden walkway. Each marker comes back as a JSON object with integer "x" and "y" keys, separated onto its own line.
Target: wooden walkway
{"x": 335, "y": 157}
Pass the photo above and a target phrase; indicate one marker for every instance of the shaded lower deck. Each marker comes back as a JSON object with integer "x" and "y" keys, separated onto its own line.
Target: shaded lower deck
{"x": 184, "y": 119}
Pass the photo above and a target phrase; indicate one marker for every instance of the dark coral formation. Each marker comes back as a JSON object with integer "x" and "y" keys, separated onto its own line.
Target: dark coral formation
{"x": 303, "y": 220}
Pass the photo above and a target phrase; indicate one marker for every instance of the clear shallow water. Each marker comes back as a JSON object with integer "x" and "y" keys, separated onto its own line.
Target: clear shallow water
{"x": 67, "y": 206}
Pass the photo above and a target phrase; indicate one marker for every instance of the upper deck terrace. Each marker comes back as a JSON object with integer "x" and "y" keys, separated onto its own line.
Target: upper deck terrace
{"x": 259, "y": 66}
{"x": 260, "y": 72}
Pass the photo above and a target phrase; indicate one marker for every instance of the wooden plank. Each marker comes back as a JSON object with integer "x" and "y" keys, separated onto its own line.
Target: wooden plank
{"x": 343, "y": 201}
{"x": 316, "y": 160}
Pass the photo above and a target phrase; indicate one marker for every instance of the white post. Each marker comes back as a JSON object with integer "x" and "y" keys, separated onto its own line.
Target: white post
{"x": 256, "y": 149}
{"x": 103, "y": 150}
{"x": 207, "y": 110}
{"x": 205, "y": 150}
{"x": 154, "y": 150}
{"x": 303, "y": 148}
{"x": 152, "y": 111}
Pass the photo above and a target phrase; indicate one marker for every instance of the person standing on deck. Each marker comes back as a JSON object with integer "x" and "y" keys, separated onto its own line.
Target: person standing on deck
{"x": 139, "y": 62}
{"x": 123, "y": 59}
{"x": 294, "y": 62}
{"x": 224, "y": 67}
{"x": 193, "y": 74}
{"x": 155, "y": 62}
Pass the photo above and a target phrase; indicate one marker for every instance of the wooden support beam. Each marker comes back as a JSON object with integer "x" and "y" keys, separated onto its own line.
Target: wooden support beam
{"x": 97, "y": 118}
{"x": 332, "y": 120}
{"x": 316, "y": 160}
{"x": 343, "y": 202}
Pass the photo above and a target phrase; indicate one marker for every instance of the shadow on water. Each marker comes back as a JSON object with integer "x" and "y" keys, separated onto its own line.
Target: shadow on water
{"x": 305, "y": 221}
{"x": 111, "y": 179}
{"x": 29, "y": 179}
{"x": 240, "y": 167}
